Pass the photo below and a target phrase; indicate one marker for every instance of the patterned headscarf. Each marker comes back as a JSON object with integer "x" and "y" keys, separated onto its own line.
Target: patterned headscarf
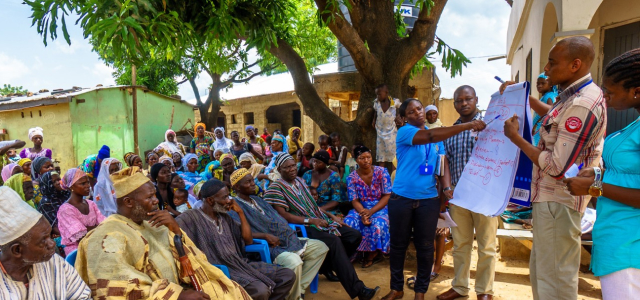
{"x": 23, "y": 161}
{"x": 36, "y": 165}
{"x": 197, "y": 187}
{"x": 7, "y": 170}
{"x": 130, "y": 157}
{"x": 15, "y": 183}
{"x": 186, "y": 159}
{"x": 71, "y": 177}
{"x": 49, "y": 190}
{"x": 164, "y": 158}
{"x": 238, "y": 174}
{"x": 35, "y": 131}
{"x": 89, "y": 165}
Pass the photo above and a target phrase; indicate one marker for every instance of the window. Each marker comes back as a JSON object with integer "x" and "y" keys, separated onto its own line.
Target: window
{"x": 529, "y": 68}
{"x": 233, "y": 119}
{"x": 248, "y": 118}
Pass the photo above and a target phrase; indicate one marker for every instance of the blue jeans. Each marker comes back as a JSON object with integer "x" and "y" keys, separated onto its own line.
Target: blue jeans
{"x": 420, "y": 217}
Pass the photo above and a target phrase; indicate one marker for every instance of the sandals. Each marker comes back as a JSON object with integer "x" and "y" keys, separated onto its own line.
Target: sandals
{"x": 411, "y": 282}
{"x": 366, "y": 263}
{"x": 433, "y": 276}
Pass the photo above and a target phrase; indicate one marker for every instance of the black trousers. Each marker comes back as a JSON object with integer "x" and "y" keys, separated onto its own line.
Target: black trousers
{"x": 340, "y": 249}
{"x": 285, "y": 278}
{"x": 420, "y": 217}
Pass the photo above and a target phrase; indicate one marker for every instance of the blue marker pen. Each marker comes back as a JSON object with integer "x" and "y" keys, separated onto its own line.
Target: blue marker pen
{"x": 498, "y": 79}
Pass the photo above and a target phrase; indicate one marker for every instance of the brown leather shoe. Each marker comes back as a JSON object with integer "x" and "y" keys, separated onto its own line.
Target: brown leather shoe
{"x": 392, "y": 295}
{"x": 449, "y": 295}
{"x": 485, "y": 297}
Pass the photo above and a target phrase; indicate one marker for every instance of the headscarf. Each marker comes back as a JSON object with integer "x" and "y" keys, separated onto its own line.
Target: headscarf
{"x": 285, "y": 149}
{"x": 237, "y": 175}
{"x": 170, "y": 147}
{"x": 322, "y": 156}
{"x": 104, "y": 192}
{"x": 197, "y": 187}
{"x": 360, "y": 150}
{"x": 88, "y": 165}
{"x": 281, "y": 158}
{"x": 7, "y": 170}
{"x": 23, "y": 161}
{"x": 249, "y": 127}
{"x": 164, "y": 157}
{"x": 430, "y": 107}
{"x": 256, "y": 168}
{"x": 223, "y": 143}
{"x": 71, "y": 177}
{"x": 52, "y": 198}
{"x": 16, "y": 217}
{"x": 127, "y": 180}
{"x": 209, "y": 170}
{"x": 129, "y": 158}
{"x": 36, "y": 165}
{"x": 291, "y": 130}
{"x": 155, "y": 170}
{"x": 186, "y": 159}
{"x": 15, "y": 183}
{"x": 195, "y": 128}
{"x": 544, "y": 76}
{"x": 35, "y": 131}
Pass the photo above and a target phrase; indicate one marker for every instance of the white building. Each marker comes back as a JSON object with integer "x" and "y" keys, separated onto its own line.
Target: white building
{"x": 535, "y": 25}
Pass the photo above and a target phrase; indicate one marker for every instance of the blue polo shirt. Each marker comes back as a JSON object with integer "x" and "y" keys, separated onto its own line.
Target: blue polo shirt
{"x": 409, "y": 182}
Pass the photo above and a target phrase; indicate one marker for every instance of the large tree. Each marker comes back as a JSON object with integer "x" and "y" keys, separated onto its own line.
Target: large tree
{"x": 374, "y": 35}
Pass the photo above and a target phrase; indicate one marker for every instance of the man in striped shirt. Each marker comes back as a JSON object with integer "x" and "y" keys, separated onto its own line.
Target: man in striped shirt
{"x": 571, "y": 133}
{"x": 30, "y": 269}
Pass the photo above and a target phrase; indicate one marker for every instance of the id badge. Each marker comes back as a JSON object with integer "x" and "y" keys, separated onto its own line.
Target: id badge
{"x": 426, "y": 170}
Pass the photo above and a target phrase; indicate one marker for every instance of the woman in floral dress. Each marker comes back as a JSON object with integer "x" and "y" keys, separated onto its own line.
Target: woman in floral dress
{"x": 369, "y": 189}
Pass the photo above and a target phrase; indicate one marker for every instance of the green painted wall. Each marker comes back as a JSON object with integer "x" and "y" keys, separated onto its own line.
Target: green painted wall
{"x": 106, "y": 117}
{"x": 55, "y": 122}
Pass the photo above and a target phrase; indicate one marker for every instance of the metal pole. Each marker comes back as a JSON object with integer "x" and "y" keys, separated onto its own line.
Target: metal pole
{"x": 135, "y": 110}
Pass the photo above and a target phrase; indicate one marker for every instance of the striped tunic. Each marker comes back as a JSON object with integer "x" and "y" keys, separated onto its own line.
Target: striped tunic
{"x": 571, "y": 133}
{"x": 297, "y": 200}
{"x": 51, "y": 280}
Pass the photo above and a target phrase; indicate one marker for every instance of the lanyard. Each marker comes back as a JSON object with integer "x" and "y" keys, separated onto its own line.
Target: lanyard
{"x": 427, "y": 152}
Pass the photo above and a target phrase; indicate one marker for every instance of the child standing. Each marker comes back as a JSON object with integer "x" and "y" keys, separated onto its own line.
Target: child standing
{"x": 385, "y": 121}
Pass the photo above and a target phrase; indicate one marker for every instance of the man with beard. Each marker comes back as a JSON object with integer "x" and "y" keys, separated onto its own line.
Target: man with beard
{"x": 291, "y": 198}
{"x": 30, "y": 270}
{"x": 222, "y": 239}
{"x": 132, "y": 255}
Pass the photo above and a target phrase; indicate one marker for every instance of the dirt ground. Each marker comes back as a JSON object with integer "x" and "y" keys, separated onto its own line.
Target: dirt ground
{"x": 511, "y": 282}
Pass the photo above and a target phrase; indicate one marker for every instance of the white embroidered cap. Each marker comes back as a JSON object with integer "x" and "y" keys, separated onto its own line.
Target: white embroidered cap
{"x": 16, "y": 216}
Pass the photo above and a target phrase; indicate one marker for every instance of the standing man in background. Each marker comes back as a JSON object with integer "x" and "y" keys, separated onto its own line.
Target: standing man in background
{"x": 459, "y": 148}
{"x": 571, "y": 133}
{"x": 386, "y": 122}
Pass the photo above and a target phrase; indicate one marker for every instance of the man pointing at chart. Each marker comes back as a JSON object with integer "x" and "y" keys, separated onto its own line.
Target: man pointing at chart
{"x": 571, "y": 133}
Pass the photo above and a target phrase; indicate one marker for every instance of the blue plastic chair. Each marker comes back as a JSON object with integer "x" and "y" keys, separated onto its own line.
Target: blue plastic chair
{"x": 261, "y": 247}
{"x": 71, "y": 258}
{"x": 313, "y": 287}
{"x": 224, "y": 270}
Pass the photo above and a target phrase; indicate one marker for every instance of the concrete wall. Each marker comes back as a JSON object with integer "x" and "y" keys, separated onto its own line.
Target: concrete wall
{"x": 55, "y": 122}
{"x": 537, "y": 25}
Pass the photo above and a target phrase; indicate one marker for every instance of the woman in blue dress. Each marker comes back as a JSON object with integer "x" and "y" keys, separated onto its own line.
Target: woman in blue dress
{"x": 616, "y": 238}
{"x": 369, "y": 188}
{"x": 549, "y": 93}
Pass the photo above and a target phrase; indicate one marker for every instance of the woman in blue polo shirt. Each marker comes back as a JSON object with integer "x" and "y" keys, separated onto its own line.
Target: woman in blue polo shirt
{"x": 414, "y": 205}
{"x": 616, "y": 238}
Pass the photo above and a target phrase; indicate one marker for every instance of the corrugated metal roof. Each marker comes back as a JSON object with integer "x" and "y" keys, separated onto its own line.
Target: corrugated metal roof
{"x": 51, "y": 98}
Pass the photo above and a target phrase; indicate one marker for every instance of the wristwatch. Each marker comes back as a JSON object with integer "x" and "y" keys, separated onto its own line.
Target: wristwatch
{"x": 306, "y": 220}
{"x": 446, "y": 189}
{"x": 595, "y": 190}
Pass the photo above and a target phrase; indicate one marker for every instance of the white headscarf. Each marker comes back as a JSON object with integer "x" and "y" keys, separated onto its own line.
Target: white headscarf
{"x": 16, "y": 216}
{"x": 224, "y": 144}
{"x": 170, "y": 147}
{"x": 430, "y": 107}
{"x": 104, "y": 192}
{"x": 35, "y": 131}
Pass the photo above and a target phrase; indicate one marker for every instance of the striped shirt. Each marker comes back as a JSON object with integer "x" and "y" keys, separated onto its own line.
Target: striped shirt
{"x": 51, "y": 280}
{"x": 571, "y": 133}
{"x": 459, "y": 148}
{"x": 297, "y": 200}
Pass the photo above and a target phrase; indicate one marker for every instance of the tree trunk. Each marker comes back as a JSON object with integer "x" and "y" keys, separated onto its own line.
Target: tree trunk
{"x": 213, "y": 103}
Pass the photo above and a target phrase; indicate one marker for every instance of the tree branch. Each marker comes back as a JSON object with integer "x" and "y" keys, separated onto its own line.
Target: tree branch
{"x": 367, "y": 64}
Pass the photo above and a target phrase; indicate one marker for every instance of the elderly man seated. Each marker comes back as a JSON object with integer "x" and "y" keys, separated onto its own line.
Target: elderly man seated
{"x": 132, "y": 254}
{"x": 291, "y": 198}
{"x": 304, "y": 256}
{"x": 222, "y": 239}
{"x": 30, "y": 268}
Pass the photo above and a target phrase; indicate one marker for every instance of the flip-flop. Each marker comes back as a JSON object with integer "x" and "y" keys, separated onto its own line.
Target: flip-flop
{"x": 368, "y": 263}
{"x": 434, "y": 276}
{"x": 411, "y": 282}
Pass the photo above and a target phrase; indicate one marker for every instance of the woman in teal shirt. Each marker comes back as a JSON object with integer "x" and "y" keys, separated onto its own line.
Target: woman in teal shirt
{"x": 616, "y": 237}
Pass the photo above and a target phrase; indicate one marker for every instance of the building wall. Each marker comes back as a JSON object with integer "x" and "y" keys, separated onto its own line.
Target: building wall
{"x": 106, "y": 118}
{"x": 447, "y": 112}
{"x": 56, "y": 124}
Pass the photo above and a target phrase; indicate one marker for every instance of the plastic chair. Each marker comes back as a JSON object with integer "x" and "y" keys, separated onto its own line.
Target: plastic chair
{"x": 224, "y": 270}
{"x": 313, "y": 287}
{"x": 71, "y": 258}
{"x": 261, "y": 247}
